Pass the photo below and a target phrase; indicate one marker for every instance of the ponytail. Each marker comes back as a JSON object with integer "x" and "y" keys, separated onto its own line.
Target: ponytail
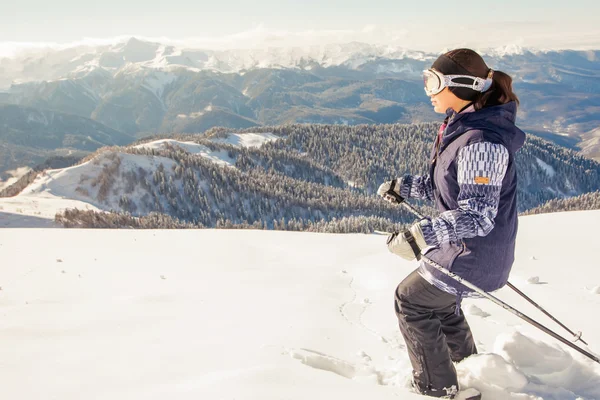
{"x": 501, "y": 92}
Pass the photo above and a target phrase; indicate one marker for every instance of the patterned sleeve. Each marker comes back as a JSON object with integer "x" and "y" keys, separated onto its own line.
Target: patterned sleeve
{"x": 416, "y": 187}
{"x": 480, "y": 170}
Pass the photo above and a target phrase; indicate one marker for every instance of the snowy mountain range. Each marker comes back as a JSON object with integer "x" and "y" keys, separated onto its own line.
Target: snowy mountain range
{"x": 135, "y": 54}
{"x": 139, "y": 88}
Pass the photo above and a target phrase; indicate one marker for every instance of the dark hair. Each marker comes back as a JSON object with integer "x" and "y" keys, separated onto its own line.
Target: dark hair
{"x": 500, "y": 92}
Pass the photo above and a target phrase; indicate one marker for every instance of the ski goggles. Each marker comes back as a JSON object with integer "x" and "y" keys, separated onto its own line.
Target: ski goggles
{"x": 435, "y": 81}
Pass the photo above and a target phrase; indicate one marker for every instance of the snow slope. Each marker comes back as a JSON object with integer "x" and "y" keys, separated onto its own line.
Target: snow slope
{"x": 219, "y": 157}
{"x": 247, "y": 139}
{"x": 79, "y": 186}
{"x": 216, "y": 314}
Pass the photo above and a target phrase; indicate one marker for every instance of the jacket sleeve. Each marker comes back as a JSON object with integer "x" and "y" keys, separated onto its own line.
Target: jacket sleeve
{"x": 480, "y": 170}
{"x": 416, "y": 187}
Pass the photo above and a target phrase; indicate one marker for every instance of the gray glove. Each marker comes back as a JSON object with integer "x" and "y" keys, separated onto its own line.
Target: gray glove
{"x": 390, "y": 191}
{"x": 399, "y": 242}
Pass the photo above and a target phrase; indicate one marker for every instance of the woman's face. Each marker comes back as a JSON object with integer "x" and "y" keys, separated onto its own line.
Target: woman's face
{"x": 443, "y": 100}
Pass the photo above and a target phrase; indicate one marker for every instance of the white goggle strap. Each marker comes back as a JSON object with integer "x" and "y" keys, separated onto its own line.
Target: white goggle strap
{"x": 479, "y": 84}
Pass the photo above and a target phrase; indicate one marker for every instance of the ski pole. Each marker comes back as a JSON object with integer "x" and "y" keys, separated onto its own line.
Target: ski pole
{"x": 509, "y": 308}
{"x": 577, "y": 335}
{"x": 406, "y": 205}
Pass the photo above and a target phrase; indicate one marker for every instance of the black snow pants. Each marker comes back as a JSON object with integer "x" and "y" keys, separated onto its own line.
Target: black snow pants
{"x": 435, "y": 335}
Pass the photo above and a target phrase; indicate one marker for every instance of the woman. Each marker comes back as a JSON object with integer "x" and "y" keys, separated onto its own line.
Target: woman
{"x": 473, "y": 180}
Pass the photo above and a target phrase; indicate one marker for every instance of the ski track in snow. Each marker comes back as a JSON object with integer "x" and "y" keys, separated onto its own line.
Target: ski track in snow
{"x": 329, "y": 363}
{"x": 358, "y": 320}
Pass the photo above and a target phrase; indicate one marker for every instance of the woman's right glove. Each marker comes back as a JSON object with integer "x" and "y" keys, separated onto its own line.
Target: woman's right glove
{"x": 407, "y": 244}
{"x": 390, "y": 191}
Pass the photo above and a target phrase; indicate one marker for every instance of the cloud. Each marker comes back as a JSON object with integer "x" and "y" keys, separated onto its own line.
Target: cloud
{"x": 415, "y": 36}
{"x": 13, "y": 49}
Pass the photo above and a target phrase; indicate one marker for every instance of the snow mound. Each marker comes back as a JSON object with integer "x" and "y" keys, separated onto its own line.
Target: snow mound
{"x": 472, "y": 309}
{"x": 551, "y": 368}
{"x": 491, "y": 374}
{"x": 534, "y": 280}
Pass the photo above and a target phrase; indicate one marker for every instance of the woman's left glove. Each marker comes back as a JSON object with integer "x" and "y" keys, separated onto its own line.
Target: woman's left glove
{"x": 407, "y": 244}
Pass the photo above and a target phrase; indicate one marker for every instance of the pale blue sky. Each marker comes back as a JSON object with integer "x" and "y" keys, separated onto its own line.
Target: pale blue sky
{"x": 65, "y": 21}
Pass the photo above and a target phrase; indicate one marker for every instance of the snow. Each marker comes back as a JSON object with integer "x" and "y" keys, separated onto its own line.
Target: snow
{"x": 37, "y": 117}
{"x": 157, "y": 81}
{"x": 507, "y": 50}
{"x": 218, "y": 314}
{"x": 472, "y": 309}
{"x": 64, "y": 182}
{"x": 247, "y": 139}
{"x": 51, "y": 192}
{"x": 398, "y": 68}
{"x": 569, "y": 185}
{"x": 73, "y": 187}
{"x": 219, "y": 157}
{"x": 13, "y": 176}
{"x": 547, "y": 168}
{"x": 36, "y": 210}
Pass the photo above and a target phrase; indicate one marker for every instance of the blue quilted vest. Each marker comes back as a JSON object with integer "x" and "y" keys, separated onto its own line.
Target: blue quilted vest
{"x": 484, "y": 261}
